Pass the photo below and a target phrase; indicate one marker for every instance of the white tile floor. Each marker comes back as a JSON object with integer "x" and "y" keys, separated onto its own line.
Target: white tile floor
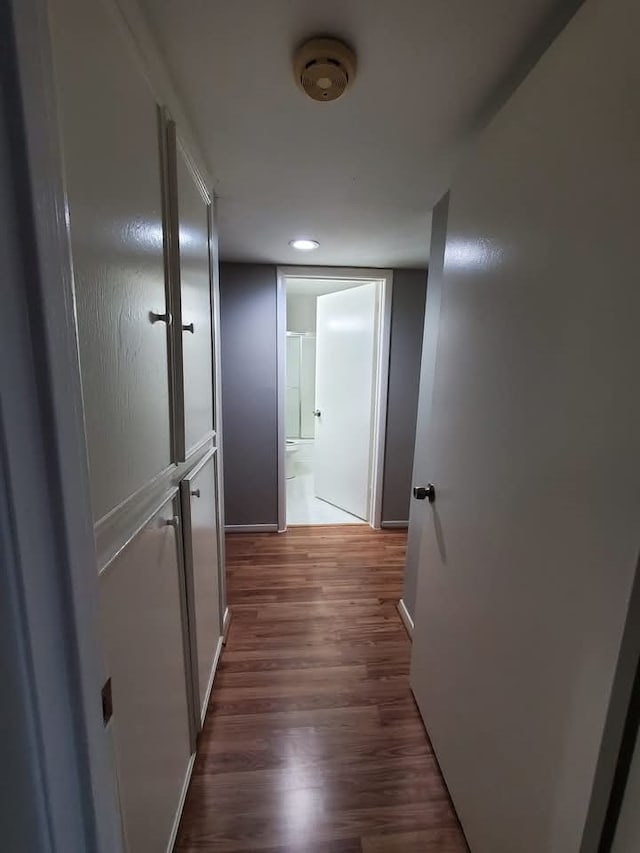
{"x": 303, "y": 507}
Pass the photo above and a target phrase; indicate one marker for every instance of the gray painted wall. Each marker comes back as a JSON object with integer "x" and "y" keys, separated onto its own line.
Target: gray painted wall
{"x": 249, "y": 410}
{"x": 407, "y": 319}
{"x": 249, "y": 391}
{"x": 421, "y": 462}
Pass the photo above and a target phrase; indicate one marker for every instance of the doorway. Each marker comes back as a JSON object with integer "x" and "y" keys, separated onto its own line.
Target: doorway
{"x": 333, "y": 357}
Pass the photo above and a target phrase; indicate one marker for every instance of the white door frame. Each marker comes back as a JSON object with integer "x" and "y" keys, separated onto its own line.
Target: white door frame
{"x": 46, "y": 514}
{"x": 384, "y": 279}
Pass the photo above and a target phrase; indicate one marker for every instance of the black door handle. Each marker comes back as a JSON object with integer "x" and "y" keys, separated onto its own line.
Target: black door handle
{"x": 422, "y": 492}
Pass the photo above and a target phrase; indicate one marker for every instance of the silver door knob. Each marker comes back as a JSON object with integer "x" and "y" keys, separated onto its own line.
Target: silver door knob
{"x": 317, "y": 413}
{"x": 422, "y": 492}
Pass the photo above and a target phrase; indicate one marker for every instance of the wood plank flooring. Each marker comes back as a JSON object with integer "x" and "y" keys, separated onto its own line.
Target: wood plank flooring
{"x": 313, "y": 743}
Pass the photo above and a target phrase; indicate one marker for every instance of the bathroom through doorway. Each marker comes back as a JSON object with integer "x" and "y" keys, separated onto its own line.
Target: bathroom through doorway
{"x": 333, "y": 355}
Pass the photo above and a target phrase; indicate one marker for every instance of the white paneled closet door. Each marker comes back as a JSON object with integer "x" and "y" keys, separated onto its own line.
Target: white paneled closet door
{"x": 110, "y": 127}
{"x": 143, "y": 616}
{"x": 202, "y": 566}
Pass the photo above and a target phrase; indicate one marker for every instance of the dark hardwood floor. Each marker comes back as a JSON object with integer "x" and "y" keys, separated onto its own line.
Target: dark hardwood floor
{"x": 313, "y": 743}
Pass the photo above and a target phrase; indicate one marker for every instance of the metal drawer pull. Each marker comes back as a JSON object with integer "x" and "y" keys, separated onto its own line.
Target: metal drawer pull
{"x": 172, "y": 522}
{"x": 196, "y": 493}
{"x": 160, "y": 318}
{"x": 188, "y": 328}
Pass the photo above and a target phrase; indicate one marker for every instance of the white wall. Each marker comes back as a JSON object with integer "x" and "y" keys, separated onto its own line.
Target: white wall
{"x": 301, "y": 312}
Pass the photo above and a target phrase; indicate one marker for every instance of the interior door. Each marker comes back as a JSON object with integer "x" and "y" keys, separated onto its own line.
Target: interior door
{"x": 114, "y": 188}
{"x": 143, "y": 634}
{"x": 345, "y": 349}
{"x": 529, "y": 552}
{"x": 202, "y": 564}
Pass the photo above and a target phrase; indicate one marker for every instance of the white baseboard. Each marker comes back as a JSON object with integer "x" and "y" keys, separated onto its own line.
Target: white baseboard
{"x": 407, "y": 621}
{"x": 216, "y": 659}
{"x": 183, "y": 797}
{"x": 393, "y": 524}
{"x": 203, "y": 713}
{"x": 251, "y": 528}
{"x": 225, "y": 625}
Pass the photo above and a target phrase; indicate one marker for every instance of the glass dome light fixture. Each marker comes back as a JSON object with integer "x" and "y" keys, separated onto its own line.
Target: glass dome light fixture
{"x": 304, "y": 244}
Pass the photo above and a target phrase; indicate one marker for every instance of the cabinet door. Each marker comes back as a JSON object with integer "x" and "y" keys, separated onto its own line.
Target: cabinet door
{"x": 143, "y": 634}
{"x": 199, "y": 508}
{"x": 192, "y": 295}
{"x": 109, "y": 124}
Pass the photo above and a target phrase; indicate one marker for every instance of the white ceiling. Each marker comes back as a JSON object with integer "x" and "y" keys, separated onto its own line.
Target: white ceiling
{"x": 360, "y": 174}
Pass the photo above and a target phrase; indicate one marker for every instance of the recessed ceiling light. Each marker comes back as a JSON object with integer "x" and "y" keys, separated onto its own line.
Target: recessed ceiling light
{"x": 303, "y": 244}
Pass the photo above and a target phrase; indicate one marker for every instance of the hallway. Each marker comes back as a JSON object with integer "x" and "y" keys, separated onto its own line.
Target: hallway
{"x": 313, "y": 743}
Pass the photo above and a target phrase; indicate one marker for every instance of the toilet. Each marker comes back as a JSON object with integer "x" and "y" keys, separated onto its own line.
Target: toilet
{"x": 291, "y": 450}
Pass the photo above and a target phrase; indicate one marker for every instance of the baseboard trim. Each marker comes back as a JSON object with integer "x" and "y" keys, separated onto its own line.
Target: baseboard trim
{"x": 407, "y": 621}
{"x": 212, "y": 678}
{"x": 251, "y": 528}
{"x": 393, "y": 524}
{"x": 226, "y": 622}
{"x": 183, "y": 796}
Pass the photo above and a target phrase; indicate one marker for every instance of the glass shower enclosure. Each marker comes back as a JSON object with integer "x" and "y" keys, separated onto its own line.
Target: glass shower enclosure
{"x": 301, "y": 385}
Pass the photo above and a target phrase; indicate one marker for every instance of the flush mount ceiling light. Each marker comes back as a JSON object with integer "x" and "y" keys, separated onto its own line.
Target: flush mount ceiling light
{"x": 303, "y": 244}
{"x": 324, "y": 68}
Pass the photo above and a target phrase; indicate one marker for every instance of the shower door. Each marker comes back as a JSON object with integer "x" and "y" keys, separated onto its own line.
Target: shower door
{"x": 300, "y": 385}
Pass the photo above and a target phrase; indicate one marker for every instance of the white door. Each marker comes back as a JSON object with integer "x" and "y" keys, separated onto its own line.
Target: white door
{"x": 345, "y": 349}
{"x": 529, "y": 552}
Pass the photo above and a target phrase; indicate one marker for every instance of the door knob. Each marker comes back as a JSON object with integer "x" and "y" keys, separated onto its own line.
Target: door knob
{"x": 422, "y": 492}
{"x": 317, "y": 413}
{"x": 188, "y": 328}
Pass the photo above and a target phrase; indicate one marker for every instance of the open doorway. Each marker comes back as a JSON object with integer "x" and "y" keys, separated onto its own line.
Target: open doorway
{"x": 333, "y": 356}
